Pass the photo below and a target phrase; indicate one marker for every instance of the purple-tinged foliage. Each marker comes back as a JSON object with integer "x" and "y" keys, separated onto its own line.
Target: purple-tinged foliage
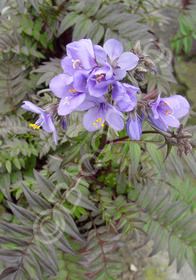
{"x": 45, "y": 119}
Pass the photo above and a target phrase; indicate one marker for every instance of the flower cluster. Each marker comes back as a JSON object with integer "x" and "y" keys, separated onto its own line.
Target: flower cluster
{"x": 92, "y": 82}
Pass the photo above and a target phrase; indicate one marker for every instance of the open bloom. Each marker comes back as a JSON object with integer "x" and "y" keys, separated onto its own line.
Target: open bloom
{"x": 44, "y": 120}
{"x": 134, "y": 126}
{"x": 99, "y": 80}
{"x": 71, "y": 90}
{"x": 80, "y": 56}
{"x": 166, "y": 111}
{"x": 124, "y": 96}
{"x": 112, "y": 52}
{"x": 100, "y": 111}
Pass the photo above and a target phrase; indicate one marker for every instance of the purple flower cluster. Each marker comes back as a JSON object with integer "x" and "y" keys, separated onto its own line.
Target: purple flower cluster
{"x": 89, "y": 71}
{"x": 91, "y": 82}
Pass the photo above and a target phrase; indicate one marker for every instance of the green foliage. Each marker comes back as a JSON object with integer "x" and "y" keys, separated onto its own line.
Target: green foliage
{"x": 186, "y": 32}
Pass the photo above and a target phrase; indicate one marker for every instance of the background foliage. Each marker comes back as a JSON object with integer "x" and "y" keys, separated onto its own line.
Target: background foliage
{"x": 58, "y": 222}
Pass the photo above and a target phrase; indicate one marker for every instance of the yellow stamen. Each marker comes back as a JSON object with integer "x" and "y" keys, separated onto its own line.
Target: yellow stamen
{"x": 80, "y": 68}
{"x": 165, "y": 103}
{"x": 70, "y": 90}
{"x": 94, "y": 123}
{"x": 97, "y": 121}
{"x": 167, "y": 112}
{"x": 74, "y": 90}
{"x": 100, "y": 119}
{"x": 34, "y": 126}
{"x": 102, "y": 125}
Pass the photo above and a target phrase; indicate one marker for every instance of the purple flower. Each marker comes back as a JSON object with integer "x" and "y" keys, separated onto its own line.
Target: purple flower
{"x": 80, "y": 56}
{"x": 119, "y": 60}
{"x": 45, "y": 119}
{"x": 71, "y": 89}
{"x": 100, "y": 111}
{"x": 166, "y": 111}
{"x": 124, "y": 96}
{"x": 99, "y": 80}
{"x": 134, "y": 126}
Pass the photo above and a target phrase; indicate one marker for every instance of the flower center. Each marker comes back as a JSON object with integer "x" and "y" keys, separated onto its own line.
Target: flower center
{"x": 76, "y": 64}
{"x": 99, "y": 77}
{"x": 72, "y": 90}
{"x": 34, "y": 126}
{"x": 99, "y": 120}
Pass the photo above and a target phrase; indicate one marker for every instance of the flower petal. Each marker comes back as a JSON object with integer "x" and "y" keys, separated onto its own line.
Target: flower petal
{"x": 67, "y": 65}
{"x": 124, "y": 95}
{"x": 90, "y": 102}
{"x": 80, "y": 80}
{"x": 94, "y": 118}
{"x": 100, "y": 54}
{"x": 98, "y": 89}
{"x": 179, "y": 105}
{"x": 114, "y": 119}
{"x": 113, "y": 48}
{"x": 70, "y": 103}
{"x": 61, "y": 84}
{"x": 31, "y": 107}
{"x": 134, "y": 127}
{"x": 127, "y": 61}
{"x": 119, "y": 74}
{"x": 48, "y": 124}
{"x": 82, "y": 50}
{"x": 158, "y": 122}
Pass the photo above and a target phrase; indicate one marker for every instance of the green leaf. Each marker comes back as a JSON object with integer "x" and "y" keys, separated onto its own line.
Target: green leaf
{"x": 24, "y": 215}
{"x": 8, "y": 166}
{"x": 96, "y": 32}
{"x": 69, "y": 20}
{"x": 52, "y": 232}
{"x": 135, "y": 153}
{"x": 16, "y": 162}
{"x": 48, "y": 189}
{"x": 79, "y": 199}
{"x": 66, "y": 223}
{"x": 191, "y": 257}
{"x": 157, "y": 156}
{"x": 81, "y": 28}
{"x": 35, "y": 201}
{"x": 173, "y": 247}
{"x": 187, "y": 44}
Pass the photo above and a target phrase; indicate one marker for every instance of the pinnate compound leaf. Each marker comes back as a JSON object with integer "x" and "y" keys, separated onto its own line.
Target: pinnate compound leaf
{"x": 191, "y": 257}
{"x": 35, "y": 201}
{"x": 24, "y": 215}
{"x": 48, "y": 189}
{"x": 135, "y": 153}
{"x": 16, "y": 229}
{"x": 57, "y": 237}
{"x": 66, "y": 223}
{"x": 43, "y": 259}
{"x": 32, "y": 266}
{"x": 173, "y": 247}
{"x": 10, "y": 239}
{"x": 79, "y": 199}
{"x": 10, "y": 255}
{"x": 9, "y": 272}
{"x": 68, "y": 21}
